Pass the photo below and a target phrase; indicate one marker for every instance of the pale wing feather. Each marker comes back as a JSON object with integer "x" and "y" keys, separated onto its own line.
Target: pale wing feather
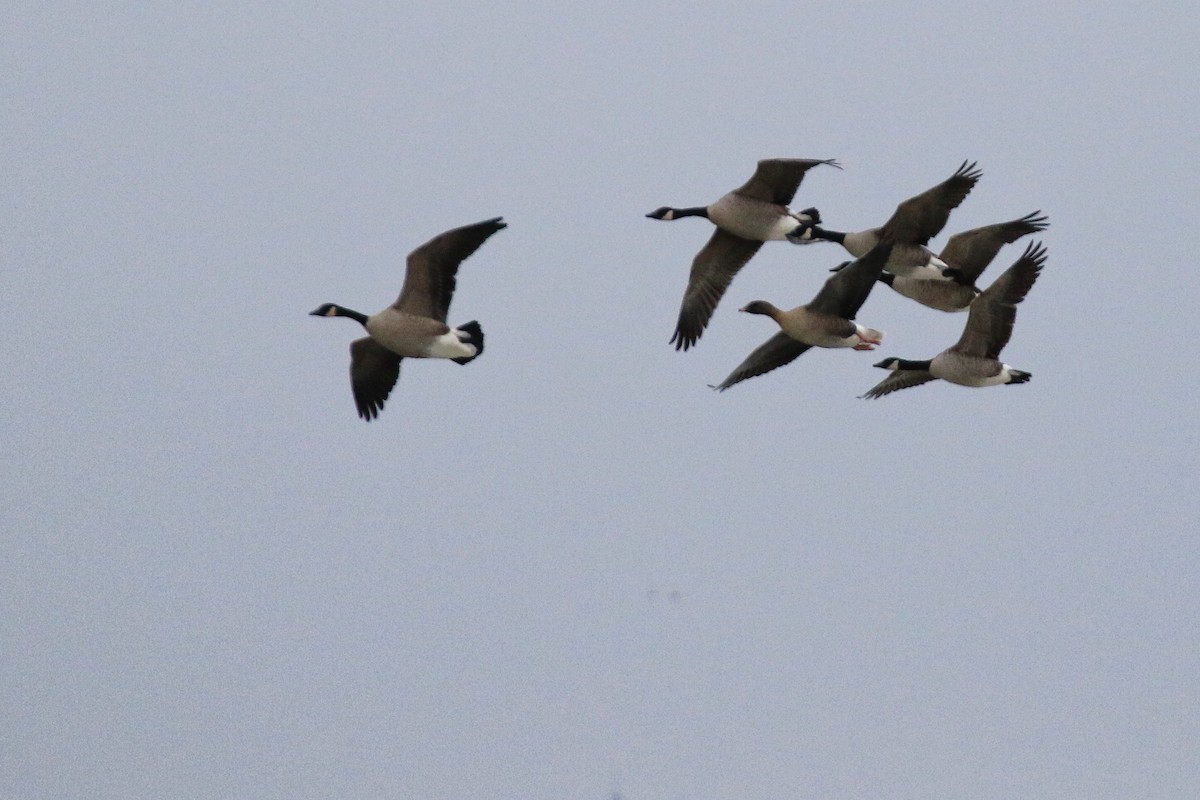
{"x": 900, "y": 379}
{"x": 972, "y": 251}
{"x": 847, "y": 289}
{"x": 780, "y": 349}
{"x": 920, "y": 218}
{"x": 713, "y": 269}
{"x": 432, "y": 269}
{"x": 993, "y": 313}
{"x": 777, "y": 179}
{"x": 373, "y": 372}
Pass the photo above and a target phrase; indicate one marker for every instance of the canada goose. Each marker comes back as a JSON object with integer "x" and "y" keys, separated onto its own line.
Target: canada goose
{"x": 823, "y": 322}
{"x": 745, "y": 218}
{"x": 974, "y": 359}
{"x": 915, "y": 221}
{"x": 415, "y": 325}
{"x": 968, "y": 254}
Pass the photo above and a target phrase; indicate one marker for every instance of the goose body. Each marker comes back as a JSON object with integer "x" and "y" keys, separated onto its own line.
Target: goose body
{"x": 942, "y": 295}
{"x": 826, "y": 321}
{"x": 415, "y": 325}
{"x": 974, "y": 359}
{"x": 754, "y": 213}
{"x": 412, "y": 336}
{"x": 976, "y": 371}
{"x": 914, "y": 222}
{"x": 817, "y": 328}
{"x": 967, "y": 255}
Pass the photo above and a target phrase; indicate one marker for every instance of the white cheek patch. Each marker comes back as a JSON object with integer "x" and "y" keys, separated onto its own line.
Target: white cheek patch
{"x": 669, "y": 215}
{"x": 332, "y": 312}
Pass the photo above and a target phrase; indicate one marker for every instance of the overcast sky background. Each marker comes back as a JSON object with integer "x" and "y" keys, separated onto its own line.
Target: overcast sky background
{"x": 570, "y": 570}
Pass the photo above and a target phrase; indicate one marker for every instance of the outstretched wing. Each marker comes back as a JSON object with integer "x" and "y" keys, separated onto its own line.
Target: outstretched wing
{"x": 777, "y": 179}
{"x": 847, "y": 289}
{"x": 432, "y": 269}
{"x": 899, "y": 379}
{"x": 373, "y": 372}
{"x": 993, "y": 312}
{"x": 918, "y": 219}
{"x": 971, "y": 251}
{"x": 780, "y": 349}
{"x": 712, "y": 270}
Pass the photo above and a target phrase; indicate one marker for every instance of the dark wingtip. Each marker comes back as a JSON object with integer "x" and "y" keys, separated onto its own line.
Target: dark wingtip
{"x": 969, "y": 170}
{"x": 1036, "y": 252}
{"x": 1036, "y": 220}
{"x": 683, "y": 341}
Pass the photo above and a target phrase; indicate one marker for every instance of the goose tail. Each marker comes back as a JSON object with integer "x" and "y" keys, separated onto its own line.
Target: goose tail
{"x": 474, "y": 336}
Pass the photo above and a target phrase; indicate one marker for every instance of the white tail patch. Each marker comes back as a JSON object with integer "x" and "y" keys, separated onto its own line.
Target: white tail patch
{"x": 451, "y": 345}
{"x": 870, "y": 335}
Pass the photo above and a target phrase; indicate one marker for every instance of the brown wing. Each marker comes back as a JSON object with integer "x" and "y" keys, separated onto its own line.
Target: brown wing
{"x": 971, "y": 251}
{"x": 899, "y": 379}
{"x": 432, "y": 267}
{"x": 993, "y": 312}
{"x": 777, "y": 179}
{"x": 780, "y": 349}
{"x": 712, "y": 270}
{"x": 918, "y": 219}
{"x": 373, "y": 372}
{"x": 847, "y": 289}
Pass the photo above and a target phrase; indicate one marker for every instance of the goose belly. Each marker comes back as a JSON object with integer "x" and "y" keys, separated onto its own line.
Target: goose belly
{"x": 915, "y": 261}
{"x": 941, "y": 295}
{"x": 969, "y": 370}
{"x": 752, "y": 219}
{"x": 416, "y": 337}
{"x": 820, "y": 330}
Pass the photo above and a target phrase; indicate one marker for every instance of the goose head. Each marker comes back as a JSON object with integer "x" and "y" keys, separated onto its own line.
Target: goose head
{"x": 760, "y": 307}
{"x": 334, "y": 310}
{"x": 893, "y": 364}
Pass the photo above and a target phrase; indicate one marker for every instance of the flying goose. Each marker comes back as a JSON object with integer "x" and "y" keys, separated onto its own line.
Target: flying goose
{"x": 415, "y": 325}
{"x": 915, "y": 221}
{"x": 745, "y": 218}
{"x": 974, "y": 359}
{"x": 826, "y": 321}
{"x": 968, "y": 254}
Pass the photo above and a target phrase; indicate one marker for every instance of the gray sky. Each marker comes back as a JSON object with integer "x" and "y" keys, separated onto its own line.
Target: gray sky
{"x": 220, "y": 583}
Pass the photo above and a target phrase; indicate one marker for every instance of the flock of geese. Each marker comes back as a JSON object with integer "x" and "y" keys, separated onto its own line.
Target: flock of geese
{"x": 894, "y": 253}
